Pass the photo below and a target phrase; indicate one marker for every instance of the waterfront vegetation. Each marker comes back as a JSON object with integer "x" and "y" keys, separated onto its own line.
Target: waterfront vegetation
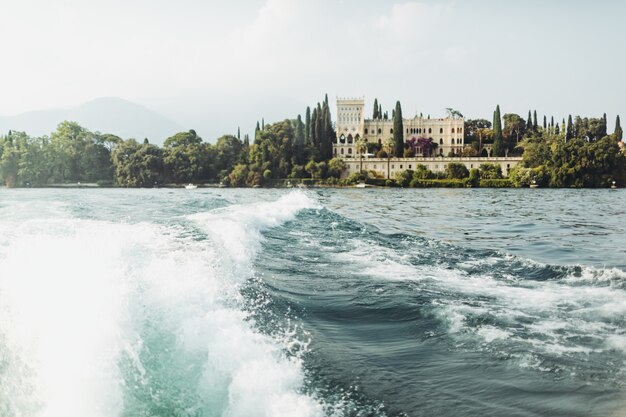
{"x": 574, "y": 153}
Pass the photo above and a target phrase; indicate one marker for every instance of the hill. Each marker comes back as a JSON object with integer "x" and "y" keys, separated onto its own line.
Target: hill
{"x": 107, "y": 115}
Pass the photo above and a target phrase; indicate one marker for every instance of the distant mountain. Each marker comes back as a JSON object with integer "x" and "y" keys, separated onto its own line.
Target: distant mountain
{"x": 106, "y": 115}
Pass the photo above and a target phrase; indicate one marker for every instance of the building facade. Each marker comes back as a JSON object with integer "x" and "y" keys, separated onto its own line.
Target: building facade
{"x": 427, "y": 137}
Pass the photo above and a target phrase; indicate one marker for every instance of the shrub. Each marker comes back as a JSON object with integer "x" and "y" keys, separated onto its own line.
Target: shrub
{"x": 456, "y": 170}
{"x": 403, "y": 178}
{"x": 447, "y": 183}
{"x": 496, "y": 183}
{"x": 474, "y": 178}
{"x": 490, "y": 171}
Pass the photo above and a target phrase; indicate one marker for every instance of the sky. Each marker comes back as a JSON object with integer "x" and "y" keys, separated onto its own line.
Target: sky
{"x": 216, "y": 65}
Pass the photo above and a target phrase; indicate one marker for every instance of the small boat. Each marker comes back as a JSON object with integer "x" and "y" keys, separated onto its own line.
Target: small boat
{"x": 363, "y": 185}
{"x": 533, "y": 184}
{"x": 191, "y": 186}
{"x": 613, "y": 186}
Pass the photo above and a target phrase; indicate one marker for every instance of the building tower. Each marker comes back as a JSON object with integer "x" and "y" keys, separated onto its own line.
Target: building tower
{"x": 350, "y": 125}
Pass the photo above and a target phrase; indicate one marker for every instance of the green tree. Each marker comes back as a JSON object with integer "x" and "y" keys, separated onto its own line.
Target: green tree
{"x": 398, "y": 131}
{"x": 375, "y": 114}
{"x": 456, "y": 170}
{"x": 498, "y": 144}
{"x": 618, "y": 129}
{"x": 569, "y": 132}
{"x": 137, "y": 165}
{"x": 490, "y": 171}
{"x": 335, "y": 167}
{"x": 299, "y": 142}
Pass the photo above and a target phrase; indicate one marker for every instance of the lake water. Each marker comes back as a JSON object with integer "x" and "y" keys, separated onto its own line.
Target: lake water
{"x": 253, "y": 302}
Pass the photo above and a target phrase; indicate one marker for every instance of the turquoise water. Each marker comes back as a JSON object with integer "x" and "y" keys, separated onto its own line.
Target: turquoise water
{"x": 224, "y": 302}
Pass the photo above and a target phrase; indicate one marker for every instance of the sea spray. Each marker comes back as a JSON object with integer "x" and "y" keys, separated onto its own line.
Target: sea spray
{"x": 102, "y": 319}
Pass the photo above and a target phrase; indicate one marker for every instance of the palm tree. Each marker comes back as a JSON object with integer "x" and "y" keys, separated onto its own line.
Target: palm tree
{"x": 361, "y": 148}
{"x": 389, "y": 146}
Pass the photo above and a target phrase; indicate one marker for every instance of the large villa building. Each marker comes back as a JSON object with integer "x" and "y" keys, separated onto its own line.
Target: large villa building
{"x": 446, "y": 134}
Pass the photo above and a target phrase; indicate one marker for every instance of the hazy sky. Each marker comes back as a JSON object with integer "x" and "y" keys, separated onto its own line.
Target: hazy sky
{"x": 214, "y": 65}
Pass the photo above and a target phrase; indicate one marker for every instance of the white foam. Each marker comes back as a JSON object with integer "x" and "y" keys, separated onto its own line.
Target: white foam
{"x": 556, "y": 317}
{"x": 78, "y": 296}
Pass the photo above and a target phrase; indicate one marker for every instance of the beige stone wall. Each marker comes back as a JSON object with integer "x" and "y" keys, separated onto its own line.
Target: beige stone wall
{"x": 436, "y": 164}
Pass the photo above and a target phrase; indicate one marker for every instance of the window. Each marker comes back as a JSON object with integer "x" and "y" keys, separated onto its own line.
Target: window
{"x": 441, "y": 141}
{"x": 400, "y": 166}
{"x": 374, "y": 166}
{"x": 342, "y": 151}
{"x": 366, "y": 131}
{"x": 441, "y": 130}
{"x": 452, "y": 141}
{"x": 410, "y": 166}
{"x": 452, "y": 130}
{"x": 380, "y": 131}
{"x": 349, "y": 151}
{"x": 430, "y": 130}
{"x": 391, "y": 131}
{"x": 393, "y": 166}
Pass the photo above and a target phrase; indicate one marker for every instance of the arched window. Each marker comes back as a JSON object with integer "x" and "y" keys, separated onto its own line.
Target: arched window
{"x": 349, "y": 151}
{"x": 441, "y": 130}
{"x": 366, "y": 131}
{"x": 342, "y": 139}
{"x": 349, "y": 138}
{"x": 452, "y": 141}
{"x": 342, "y": 151}
{"x": 380, "y": 141}
{"x": 430, "y": 130}
{"x": 452, "y": 130}
{"x": 441, "y": 141}
{"x": 459, "y": 130}
{"x": 391, "y": 131}
{"x": 380, "y": 131}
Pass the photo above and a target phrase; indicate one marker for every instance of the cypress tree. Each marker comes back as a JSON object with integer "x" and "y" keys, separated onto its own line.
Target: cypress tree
{"x": 246, "y": 141}
{"x": 319, "y": 132}
{"x": 238, "y": 133}
{"x": 618, "y": 129}
{"x": 298, "y": 149}
{"x": 498, "y": 143}
{"x": 398, "y": 131}
{"x": 326, "y": 142}
{"x": 552, "y": 121}
{"x": 604, "y": 130}
{"x": 529, "y": 122}
{"x": 535, "y": 119}
{"x": 307, "y": 126}
{"x": 569, "y": 132}
{"x": 556, "y": 129}
{"x": 313, "y": 141}
{"x": 375, "y": 115}
{"x": 545, "y": 123}
{"x": 380, "y": 111}
{"x": 257, "y": 130}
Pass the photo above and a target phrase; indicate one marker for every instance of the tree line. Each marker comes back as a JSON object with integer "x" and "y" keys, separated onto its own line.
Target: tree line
{"x": 577, "y": 152}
